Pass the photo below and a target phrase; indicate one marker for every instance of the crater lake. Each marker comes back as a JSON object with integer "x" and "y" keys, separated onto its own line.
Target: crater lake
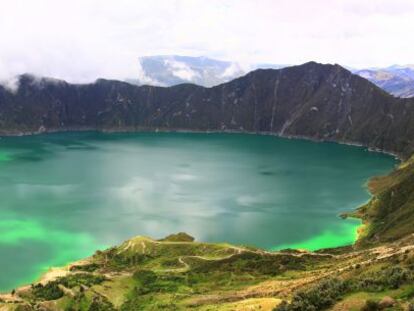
{"x": 65, "y": 195}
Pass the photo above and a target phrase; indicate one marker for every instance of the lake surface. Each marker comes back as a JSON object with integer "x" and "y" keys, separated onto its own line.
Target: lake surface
{"x": 65, "y": 195}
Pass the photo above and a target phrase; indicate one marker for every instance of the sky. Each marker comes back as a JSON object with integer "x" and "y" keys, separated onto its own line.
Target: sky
{"x": 81, "y": 40}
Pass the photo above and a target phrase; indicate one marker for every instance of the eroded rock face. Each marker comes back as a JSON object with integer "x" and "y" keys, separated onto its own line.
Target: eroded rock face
{"x": 324, "y": 102}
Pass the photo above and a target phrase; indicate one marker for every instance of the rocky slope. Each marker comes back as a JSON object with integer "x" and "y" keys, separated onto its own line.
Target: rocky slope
{"x": 323, "y": 102}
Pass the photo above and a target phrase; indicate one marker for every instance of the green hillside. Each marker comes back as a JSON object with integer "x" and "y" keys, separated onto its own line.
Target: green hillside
{"x": 389, "y": 215}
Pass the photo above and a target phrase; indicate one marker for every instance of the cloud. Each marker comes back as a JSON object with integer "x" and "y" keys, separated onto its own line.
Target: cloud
{"x": 233, "y": 70}
{"x": 182, "y": 70}
{"x": 11, "y": 83}
{"x": 81, "y": 40}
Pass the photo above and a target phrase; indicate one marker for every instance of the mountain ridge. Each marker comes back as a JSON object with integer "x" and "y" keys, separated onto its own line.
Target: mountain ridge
{"x": 169, "y": 70}
{"x": 315, "y": 101}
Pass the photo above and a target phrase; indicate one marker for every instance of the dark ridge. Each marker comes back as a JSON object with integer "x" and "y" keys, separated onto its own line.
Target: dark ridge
{"x": 315, "y": 101}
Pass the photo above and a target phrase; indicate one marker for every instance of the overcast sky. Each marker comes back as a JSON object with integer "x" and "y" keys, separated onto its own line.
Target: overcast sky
{"x": 80, "y": 40}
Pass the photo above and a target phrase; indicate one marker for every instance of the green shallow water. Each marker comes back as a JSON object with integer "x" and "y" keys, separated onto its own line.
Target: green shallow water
{"x": 65, "y": 195}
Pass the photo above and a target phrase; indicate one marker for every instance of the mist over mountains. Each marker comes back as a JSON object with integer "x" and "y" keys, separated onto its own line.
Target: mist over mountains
{"x": 396, "y": 80}
{"x": 169, "y": 70}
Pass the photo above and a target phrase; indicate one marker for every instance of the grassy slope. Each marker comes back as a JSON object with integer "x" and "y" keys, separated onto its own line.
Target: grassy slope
{"x": 178, "y": 274}
{"x": 389, "y": 215}
{"x": 144, "y": 274}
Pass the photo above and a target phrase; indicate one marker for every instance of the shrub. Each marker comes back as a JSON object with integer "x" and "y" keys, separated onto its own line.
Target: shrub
{"x": 138, "y": 303}
{"x": 145, "y": 277}
{"x": 326, "y": 293}
{"x": 318, "y": 297}
{"x": 79, "y": 279}
{"x": 87, "y": 268}
{"x": 24, "y": 307}
{"x": 252, "y": 263}
{"x": 101, "y": 304}
{"x": 391, "y": 278}
{"x": 371, "y": 305}
{"x": 50, "y": 291}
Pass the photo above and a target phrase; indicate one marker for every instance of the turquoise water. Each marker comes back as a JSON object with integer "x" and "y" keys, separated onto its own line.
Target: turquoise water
{"x": 65, "y": 195}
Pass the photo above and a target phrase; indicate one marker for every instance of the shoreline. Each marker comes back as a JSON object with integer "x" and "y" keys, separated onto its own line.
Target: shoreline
{"x": 54, "y": 272}
{"x": 132, "y": 130}
{"x": 51, "y": 274}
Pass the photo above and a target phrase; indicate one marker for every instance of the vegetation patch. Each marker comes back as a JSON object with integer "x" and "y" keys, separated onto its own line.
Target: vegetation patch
{"x": 178, "y": 237}
{"x": 81, "y": 279}
{"x": 327, "y": 292}
{"x": 50, "y": 291}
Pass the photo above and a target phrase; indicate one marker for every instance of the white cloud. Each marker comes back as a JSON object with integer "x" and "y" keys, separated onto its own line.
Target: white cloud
{"x": 181, "y": 70}
{"x": 233, "y": 70}
{"x": 11, "y": 83}
{"x": 81, "y": 40}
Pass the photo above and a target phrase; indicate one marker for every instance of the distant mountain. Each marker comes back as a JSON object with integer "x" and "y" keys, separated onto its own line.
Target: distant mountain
{"x": 321, "y": 102}
{"x": 169, "y": 70}
{"x": 396, "y": 80}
